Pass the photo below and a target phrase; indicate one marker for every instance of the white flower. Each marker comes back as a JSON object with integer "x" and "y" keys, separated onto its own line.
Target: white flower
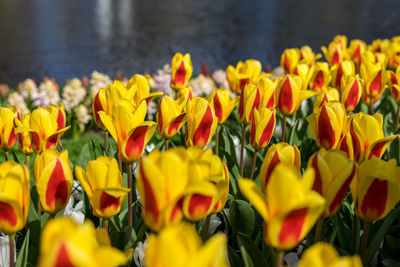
{"x": 138, "y": 255}
{"x": 5, "y": 250}
{"x": 83, "y": 116}
{"x": 98, "y": 80}
{"x": 161, "y": 81}
{"x": 47, "y": 94}
{"x": 202, "y": 85}
{"x": 219, "y": 77}
{"x": 74, "y": 212}
{"x": 73, "y": 94}
{"x": 28, "y": 88}
{"x": 291, "y": 259}
{"x": 152, "y": 109}
{"x": 15, "y": 99}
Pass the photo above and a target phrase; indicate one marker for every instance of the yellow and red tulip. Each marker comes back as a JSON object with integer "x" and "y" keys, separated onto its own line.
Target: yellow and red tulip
{"x": 321, "y": 76}
{"x": 344, "y": 68}
{"x": 170, "y": 116}
{"x": 288, "y": 205}
{"x": 325, "y": 95}
{"x": 289, "y": 59}
{"x": 376, "y": 189}
{"x": 100, "y": 103}
{"x": 350, "y": 92}
{"x": 355, "y": 50}
{"x": 64, "y": 242}
{"x": 279, "y": 153}
{"x": 244, "y": 73}
{"x": 374, "y": 77}
{"x": 186, "y": 92}
{"x": 341, "y": 40}
{"x": 181, "y": 70}
{"x": 327, "y": 124}
{"x": 201, "y": 122}
{"x": 324, "y": 255}
{"x": 379, "y": 45}
{"x": 262, "y": 127}
{"x": 24, "y": 139}
{"x": 333, "y": 175}
{"x": 250, "y": 99}
{"x": 103, "y": 184}
{"x": 140, "y": 85}
{"x": 54, "y": 180}
{"x": 59, "y": 113}
{"x": 393, "y": 54}
{"x": 267, "y": 89}
{"x": 305, "y": 72}
{"x": 180, "y": 246}
{"x": 289, "y": 95}
{"x": 128, "y": 128}
{"x": 223, "y": 104}
{"x": 14, "y": 196}
{"x": 394, "y": 84}
{"x": 334, "y": 53}
{"x": 8, "y": 136}
{"x": 307, "y": 56}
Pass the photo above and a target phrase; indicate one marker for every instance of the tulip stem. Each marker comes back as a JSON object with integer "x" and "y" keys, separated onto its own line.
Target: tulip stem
{"x": 130, "y": 217}
{"x": 254, "y": 164}
{"x": 120, "y": 164}
{"x": 106, "y": 141}
{"x": 397, "y": 119}
{"x": 242, "y": 150}
{"x": 364, "y": 241}
{"x": 38, "y": 210}
{"x": 166, "y": 145}
{"x": 283, "y": 128}
{"x": 206, "y": 225}
{"x": 279, "y": 259}
{"x": 105, "y": 224}
{"x": 370, "y": 107}
{"x": 318, "y": 230}
{"x": 6, "y": 155}
{"x": 28, "y": 162}
{"x": 60, "y": 144}
{"x": 12, "y": 247}
{"x": 217, "y": 141}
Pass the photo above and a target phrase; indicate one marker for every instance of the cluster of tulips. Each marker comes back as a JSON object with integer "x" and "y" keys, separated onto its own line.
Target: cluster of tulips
{"x": 178, "y": 190}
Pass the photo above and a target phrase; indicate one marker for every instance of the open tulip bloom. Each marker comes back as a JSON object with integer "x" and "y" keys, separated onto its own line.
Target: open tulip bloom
{"x": 7, "y": 129}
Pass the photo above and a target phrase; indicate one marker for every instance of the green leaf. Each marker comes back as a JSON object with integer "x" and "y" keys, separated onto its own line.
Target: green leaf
{"x": 355, "y": 235}
{"x": 293, "y": 132}
{"x": 22, "y": 259}
{"x": 250, "y": 250}
{"x": 242, "y": 217}
{"x": 234, "y": 258}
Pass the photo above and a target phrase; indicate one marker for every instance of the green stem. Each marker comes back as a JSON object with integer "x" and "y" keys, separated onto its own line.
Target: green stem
{"x": 318, "y": 230}
{"x": 130, "y": 216}
{"x": 397, "y": 119}
{"x": 364, "y": 241}
{"x": 206, "y": 225}
{"x": 242, "y": 150}
{"x": 6, "y": 155}
{"x": 28, "y": 162}
{"x": 12, "y": 247}
{"x": 370, "y": 107}
{"x": 105, "y": 224}
{"x": 166, "y": 144}
{"x": 60, "y": 144}
{"x": 106, "y": 141}
{"x": 283, "y": 129}
{"x": 39, "y": 212}
{"x": 217, "y": 141}
{"x": 120, "y": 164}
{"x": 279, "y": 259}
{"x": 253, "y": 165}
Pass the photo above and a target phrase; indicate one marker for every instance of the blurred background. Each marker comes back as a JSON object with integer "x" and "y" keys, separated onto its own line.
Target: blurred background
{"x": 70, "y": 38}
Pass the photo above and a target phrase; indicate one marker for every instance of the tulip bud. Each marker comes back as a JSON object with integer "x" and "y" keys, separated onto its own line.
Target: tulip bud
{"x": 344, "y": 68}
{"x": 54, "y": 180}
{"x": 267, "y": 91}
{"x": 103, "y": 184}
{"x": 305, "y": 73}
{"x": 289, "y": 59}
{"x": 250, "y": 99}
{"x": 222, "y": 104}
{"x": 351, "y": 92}
{"x": 262, "y": 127}
{"x": 321, "y": 76}
{"x": 375, "y": 80}
{"x": 186, "y": 92}
{"x": 170, "y": 116}
{"x": 244, "y": 73}
{"x": 334, "y": 53}
{"x": 325, "y": 95}
{"x": 14, "y": 196}
{"x": 8, "y": 136}
{"x": 394, "y": 84}
{"x": 181, "y": 70}
{"x": 99, "y": 104}
{"x": 140, "y": 85}
{"x": 355, "y": 50}
{"x": 25, "y": 142}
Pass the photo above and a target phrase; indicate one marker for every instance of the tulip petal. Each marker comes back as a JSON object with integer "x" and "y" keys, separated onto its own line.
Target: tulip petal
{"x": 8, "y": 214}
{"x": 252, "y": 192}
{"x": 292, "y": 226}
{"x": 374, "y": 202}
{"x": 379, "y": 147}
{"x": 176, "y": 124}
{"x": 203, "y": 131}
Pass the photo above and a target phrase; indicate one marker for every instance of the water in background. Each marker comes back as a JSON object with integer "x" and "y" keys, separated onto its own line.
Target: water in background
{"x": 68, "y": 38}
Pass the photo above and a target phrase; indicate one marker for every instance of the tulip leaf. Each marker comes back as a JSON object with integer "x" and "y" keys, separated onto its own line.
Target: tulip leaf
{"x": 355, "y": 235}
{"x": 250, "y": 251}
{"x": 293, "y": 132}
{"x": 22, "y": 258}
{"x": 234, "y": 258}
{"x": 378, "y": 237}
{"x": 84, "y": 155}
{"x": 389, "y": 262}
{"x": 242, "y": 217}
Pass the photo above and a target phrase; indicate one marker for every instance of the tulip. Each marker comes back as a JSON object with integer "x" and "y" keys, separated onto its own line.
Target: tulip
{"x": 114, "y": 93}
{"x": 365, "y": 138}
{"x": 307, "y": 56}
{"x": 262, "y": 127}
{"x": 103, "y": 184}
{"x": 170, "y": 116}
{"x": 333, "y": 175}
{"x": 223, "y": 104}
{"x": 279, "y": 153}
{"x": 379, "y": 45}
{"x": 344, "y": 68}
{"x": 305, "y": 73}
{"x": 267, "y": 89}
{"x": 327, "y": 124}
{"x": 355, "y": 50}
{"x": 64, "y": 242}
{"x": 376, "y": 189}
{"x": 244, "y": 73}
{"x": 58, "y": 112}
{"x": 186, "y": 92}
{"x": 324, "y": 255}
{"x": 180, "y": 246}
{"x": 201, "y": 122}
{"x": 45, "y": 128}
{"x": 370, "y": 57}
{"x": 393, "y": 54}
{"x": 341, "y": 40}
{"x": 288, "y": 95}
{"x": 140, "y": 85}
{"x": 289, "y": 59}
{"x": 321, "y": 76}
{"x": 325, "y": 95}
{"x": 8, "y": 136}
{"x": 350, "y": 92}
{"x": 14, "y": 196}
{"x": 25, "y": 142}
{"x": 128, "y": 128}
{"x": 54, "y": 180}
{"x": 181, "y": 70}
{"x": 334, "y": 53}
{"x": 288, "y": 205}
{"x": 394, "y": 84}
{"x": 99, "y": 104}
{"x": 375, "y": 80}
{"x": 250, "y": 99}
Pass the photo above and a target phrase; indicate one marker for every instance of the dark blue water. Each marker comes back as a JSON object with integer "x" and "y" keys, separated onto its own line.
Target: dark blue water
{"x": 67, "y": 38}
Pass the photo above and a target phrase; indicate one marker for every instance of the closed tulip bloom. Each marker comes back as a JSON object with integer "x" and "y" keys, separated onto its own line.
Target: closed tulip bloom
{"x": 8, "y": 136}
{"x": 64, "y": 242}
{"x": 350, "y": 92}
{"x": 333, "y": 175}
{"x": 321, "y": 76}
{"x": 289, "y": 95}
{"x": 140, "y": 85}
{"x": 223, "y": 104}
{"x": 307, "y": 56}
{"x": 344, "y": 68}
{"x": 103, "y": 184}
{"x": 289, "y": 59}
{"x": 14, "y": 196}
{"x": 54, "y": 180}
{"x": 250, "y": 99}
{"x": 99, "y": 104}
{"x": 288, "y": 205}
{"x": 394, "y": 84}
{"x": 327, "y": 124}
{"x": 180, "y": 246}
{"x": 24, "y": 139}
{"x": 170, "y": 116}
{"x": 334, "y": 53}
{"x": 374, "y": 58}
{"x": 262, "y": 127}
{"x": 305, "y": 72}
{"x": 244, "y": 73}
{"x": 374, "y": 77}
{"x": 356, "y": 48}
{"x": 128, "y": 128}
{"x": 365, "y": 137}
{"x": 186, "y": 92}
{"x": 114, "y": 93}
{"x": 379, "y": 45}
{"x": 267, "y": 89}
{"x": 279, "y": 153}
{"x": 325, "y": 95}
{"x": 59, "y": 113}
{"x": 393, "y": 54}
{"x": 201, "y": 122}
{"x": 341, "y": 40}
{"x": 323, "y": 254}
{"x": 376, "y": 189}
{"x": 181, "y": 70}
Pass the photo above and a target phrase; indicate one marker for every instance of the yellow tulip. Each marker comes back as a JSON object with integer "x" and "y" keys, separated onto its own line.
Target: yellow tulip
{"x": 394, "y": 84}
{"x": 267, "y": 89}
{"x": 140, "y": 85}
{"x": 350, "y": 92}
{"x": 180, "y": 246}
{"x": 24, "y": 139}
{"x": 289, "y": 59}
{"x": 8, "y": 136}
{"x": 250, "y": 99}
{"x": 355, "y": 50}
{"x": 325, "y": 95}
{"x": 321, "y": 76}
{"x": 223, "y": 104}
{"x": 375, "y": 79}
{"x": 171, "y": 116}
{"x": 181, "y": 70}
{"x": 14, "y": 196}
{"x": 343, "y": 69}
{"x": 99, "y": 104}
{"x": 103, "y": 184}
{"x": 244, "y": 73}
{"x": 307, "y": 56}
{"x": 334, "y": 53}
{"x": 63, "y": 242}
{"x": 305, "y": 73}
{"x": 262, "y": 127}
